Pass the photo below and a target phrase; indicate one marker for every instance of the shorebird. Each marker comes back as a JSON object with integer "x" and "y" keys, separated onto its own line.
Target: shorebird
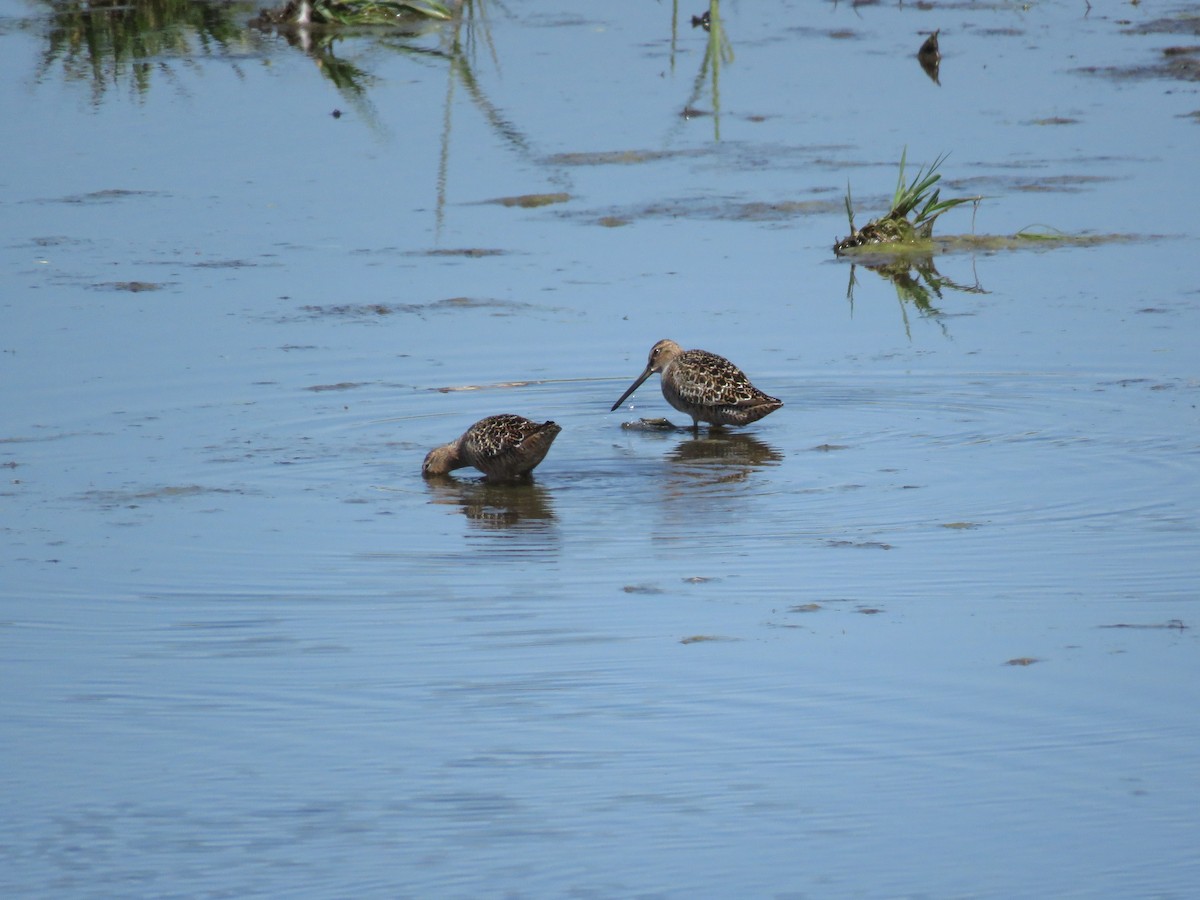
{"x": 503, "y": 447}
{"x": 707, "y": 387}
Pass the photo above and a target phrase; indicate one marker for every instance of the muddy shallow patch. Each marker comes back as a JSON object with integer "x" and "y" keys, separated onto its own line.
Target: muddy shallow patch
{"x": 709, "y": 208}
{"x": 370, "y": 311}
{"x": 468, "y": 252}
{"x": 1184, "y": 24}
{"x": 132, "y": 499}
{"x": 530, "y": 201}
{"x": 132, "y": 287}
{"x": 916, "y": 253}
{"x": 340, "y": 386}
{"x": 621, "y": 157}
{"x": 1175, "y": 63}
{"x": 1069, "y": 183}
{"x": 109, "y": 195}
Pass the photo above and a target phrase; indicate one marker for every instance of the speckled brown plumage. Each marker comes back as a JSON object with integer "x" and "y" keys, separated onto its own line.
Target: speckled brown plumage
{"x": 707, "y": 387}
{"x": 502, "y": 447}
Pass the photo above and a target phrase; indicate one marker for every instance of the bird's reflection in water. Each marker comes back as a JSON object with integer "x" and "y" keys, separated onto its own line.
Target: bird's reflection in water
{"x": 718, "y": 456}
{"x": 521, "y": 508}
{"x": 930, "y": 57}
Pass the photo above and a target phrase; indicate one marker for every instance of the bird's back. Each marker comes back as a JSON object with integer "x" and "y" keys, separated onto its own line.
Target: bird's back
{"x": 710, "y": 388}
{"x": 508, "y": 446}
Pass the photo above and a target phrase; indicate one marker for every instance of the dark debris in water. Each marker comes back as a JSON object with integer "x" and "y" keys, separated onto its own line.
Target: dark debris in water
{"x": 721, "y": 210}
{"x": 619, "y": 157}
{"x": 55, "y": 240}
{"x": 1176, "y": 63}
{"x": 1067, "y": 184}
{"x": 340, "y": 386}
{"x": 133, "y": 287}
{"x": 379, "y": 310}
{"x": 1028, "y": 182}
{"x": 499, "y": 385}
{"x": 704, "y": 638}
{"x": 833, "y": 34}
{"x": 469, "y": 252}
{"x": 1022, "y": 661}
{"x": 351, "y": 310}
{"x": 133, "y": 499}
{"x": 451, "y": 303}
{"x": 761, "y": 211}
{"x": 642, "y": 589}
{"x": 223, "y": 264}
{"x": 111, "y": 195}
{"x": 1172, "y": 624}
{"x": 1181, "y": 25}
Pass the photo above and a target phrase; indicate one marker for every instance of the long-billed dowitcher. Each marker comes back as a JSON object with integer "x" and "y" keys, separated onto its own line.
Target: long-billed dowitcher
{"x": 707, "y": 387}
{"x": 503, "y": 447}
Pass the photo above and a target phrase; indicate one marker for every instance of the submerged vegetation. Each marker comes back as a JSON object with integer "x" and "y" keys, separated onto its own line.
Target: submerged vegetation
{"x": 916, "y": 206}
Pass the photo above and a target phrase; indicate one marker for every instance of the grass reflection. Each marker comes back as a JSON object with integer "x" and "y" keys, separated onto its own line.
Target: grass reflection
{"x": 113, "y": 43}
{"x": 461, "y": 42}
{"x": 717, "y": 51}
{"x": 110, "y": 42}
{"x": 319, "y": 39}
{"x": 917, "y": 282}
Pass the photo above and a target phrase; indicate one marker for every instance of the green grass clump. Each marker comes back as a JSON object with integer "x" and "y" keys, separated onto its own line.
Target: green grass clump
{"x": 916, "y": 206}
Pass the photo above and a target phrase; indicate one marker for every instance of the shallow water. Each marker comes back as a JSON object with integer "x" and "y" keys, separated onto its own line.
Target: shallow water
{"x": 926, "y": 631}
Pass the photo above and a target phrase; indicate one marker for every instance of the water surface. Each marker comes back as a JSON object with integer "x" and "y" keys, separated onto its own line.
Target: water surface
{"x": 926, "y": 631}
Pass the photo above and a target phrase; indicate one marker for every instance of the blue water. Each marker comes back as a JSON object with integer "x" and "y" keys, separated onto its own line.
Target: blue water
{"x": 927, "y": 631}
